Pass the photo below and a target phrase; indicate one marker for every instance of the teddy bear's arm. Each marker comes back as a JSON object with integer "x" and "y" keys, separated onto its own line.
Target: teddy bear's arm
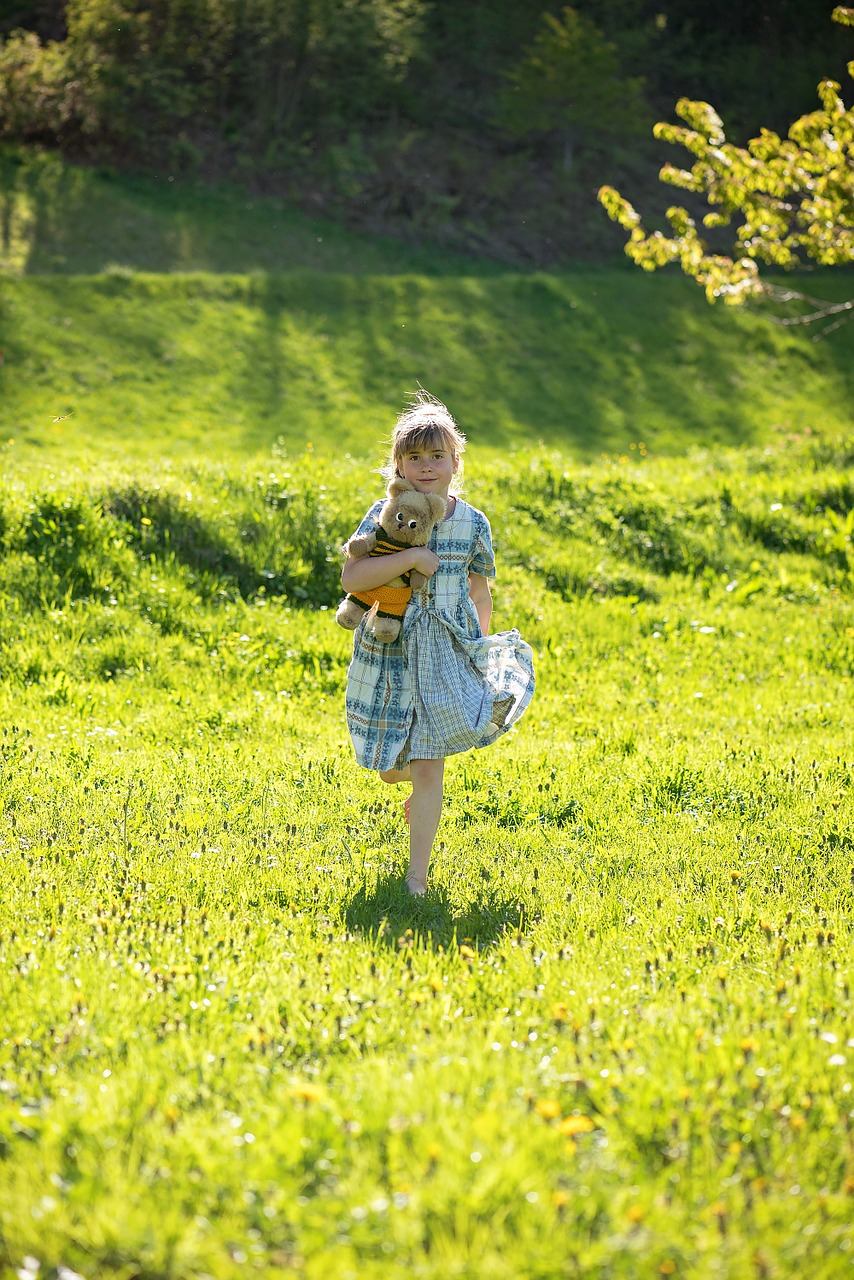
{"x": 361, "y": 545}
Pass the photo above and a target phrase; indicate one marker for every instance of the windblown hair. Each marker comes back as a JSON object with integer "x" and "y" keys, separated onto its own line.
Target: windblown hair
{"x": 425, "y": 423}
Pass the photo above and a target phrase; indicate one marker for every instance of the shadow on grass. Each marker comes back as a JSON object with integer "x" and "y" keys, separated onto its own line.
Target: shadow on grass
{"x": 387, "y": 914}
{"x": 581, "y": 361}
{"x": 169, "y": 527}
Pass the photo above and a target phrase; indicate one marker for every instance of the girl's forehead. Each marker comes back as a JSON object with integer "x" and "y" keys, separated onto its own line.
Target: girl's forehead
{"x": 419, "y": 439}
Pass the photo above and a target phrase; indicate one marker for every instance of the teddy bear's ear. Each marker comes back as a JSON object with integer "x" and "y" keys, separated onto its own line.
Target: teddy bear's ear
{"x": 397, "y": 485}
{"x": 437, "y": 506}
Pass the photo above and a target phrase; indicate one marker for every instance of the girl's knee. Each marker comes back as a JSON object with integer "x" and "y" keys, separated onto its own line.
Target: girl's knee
{"x": 428, "y": 770}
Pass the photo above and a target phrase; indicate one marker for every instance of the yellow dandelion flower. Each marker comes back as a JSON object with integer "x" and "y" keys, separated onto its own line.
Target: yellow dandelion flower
{"x": 636, "y": 1213}
{"x": 436, "y": 984}
{"x": 304, "y": 1091}
{"x": 560, "y": 1199}
{"x": 667, "y": 1267}
{"x": 548, "y": 1108}
{"x": 467, "y": 953}
{"x": 560, "y": 1012}
{"x": 573, "y": 1125}
{"x": 749, "y": 1045}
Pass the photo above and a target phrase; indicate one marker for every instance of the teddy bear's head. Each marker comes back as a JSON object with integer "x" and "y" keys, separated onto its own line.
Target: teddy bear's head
{"x": 408, "y": 516}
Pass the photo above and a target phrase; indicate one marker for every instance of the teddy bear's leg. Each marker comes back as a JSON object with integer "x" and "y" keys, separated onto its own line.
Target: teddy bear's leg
{"x": 350, "y": 613}
{"x": 385, "y": 630}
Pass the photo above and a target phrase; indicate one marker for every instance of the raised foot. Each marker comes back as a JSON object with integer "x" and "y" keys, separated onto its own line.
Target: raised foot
{"x": 417, "y": 888}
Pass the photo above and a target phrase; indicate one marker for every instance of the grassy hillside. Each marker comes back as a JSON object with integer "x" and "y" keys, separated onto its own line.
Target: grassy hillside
{"x": 59, "y": 218}
{"x": 590, "y": 363}
{"x": 323, "y": 331}
{"x": 612, "y": 1042}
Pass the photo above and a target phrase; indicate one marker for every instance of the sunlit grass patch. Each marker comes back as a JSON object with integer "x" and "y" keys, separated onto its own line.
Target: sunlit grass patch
{"x": 615, "y": 1037}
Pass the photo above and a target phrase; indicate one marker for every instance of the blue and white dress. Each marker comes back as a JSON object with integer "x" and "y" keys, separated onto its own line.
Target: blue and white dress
{"x": 442, "y": 686}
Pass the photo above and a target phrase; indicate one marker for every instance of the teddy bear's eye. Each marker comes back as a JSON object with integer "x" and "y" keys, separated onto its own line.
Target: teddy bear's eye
{"x": 413, "y": 524}
{"x": 399, "y": 517}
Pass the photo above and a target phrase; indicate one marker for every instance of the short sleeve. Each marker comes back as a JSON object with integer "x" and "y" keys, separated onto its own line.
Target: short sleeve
{"x": 368, "y": 522}
{"x": 482, "y": 558}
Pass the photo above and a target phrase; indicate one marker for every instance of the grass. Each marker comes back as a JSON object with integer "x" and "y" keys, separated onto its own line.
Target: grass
{"x": 165, "y": 346}
{"x": 57, "y": 218}
{"x": 614, "y": 1039}
{"x": 589, "y": 363}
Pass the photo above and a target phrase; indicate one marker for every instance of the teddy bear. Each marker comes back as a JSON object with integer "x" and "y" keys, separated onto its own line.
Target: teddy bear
{"x": 405, "y": 520}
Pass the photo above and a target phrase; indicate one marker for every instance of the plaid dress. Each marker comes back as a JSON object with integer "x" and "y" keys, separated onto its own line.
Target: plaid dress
{"x": 441, "y": 687}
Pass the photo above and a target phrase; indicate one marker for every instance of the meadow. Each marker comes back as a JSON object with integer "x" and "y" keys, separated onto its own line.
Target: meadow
{"x": 615, "y": 1040}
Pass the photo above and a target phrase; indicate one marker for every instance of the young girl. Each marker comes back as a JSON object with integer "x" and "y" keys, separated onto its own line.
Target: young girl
{"x": 445, "y": 685}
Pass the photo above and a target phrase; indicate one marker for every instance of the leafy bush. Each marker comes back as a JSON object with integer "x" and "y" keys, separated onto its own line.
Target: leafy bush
{"x": 135, "y": 80}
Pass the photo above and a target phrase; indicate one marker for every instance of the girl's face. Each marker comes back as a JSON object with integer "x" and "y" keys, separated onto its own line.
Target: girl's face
{"x": 429, "y": 468}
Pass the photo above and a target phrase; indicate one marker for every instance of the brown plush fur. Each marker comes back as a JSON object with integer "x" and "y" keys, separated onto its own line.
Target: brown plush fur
{"x": 407, "y": 516}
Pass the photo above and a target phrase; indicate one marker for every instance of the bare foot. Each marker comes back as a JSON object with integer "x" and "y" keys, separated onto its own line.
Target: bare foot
{"x": 395, "y": 775}
{"x": 407, "y": 802}
{"x": 417, "y": 888}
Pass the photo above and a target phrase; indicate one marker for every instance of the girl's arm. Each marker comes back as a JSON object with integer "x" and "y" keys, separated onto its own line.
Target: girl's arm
{"x": 481, "y": 593}
{"x": 367, "y": 572}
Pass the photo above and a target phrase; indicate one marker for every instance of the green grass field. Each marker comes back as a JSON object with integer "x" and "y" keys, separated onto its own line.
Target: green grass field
{"x": 616, "y": 1039}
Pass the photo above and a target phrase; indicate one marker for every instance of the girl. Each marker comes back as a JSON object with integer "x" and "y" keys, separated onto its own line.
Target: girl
{"x": 445, "y": 685}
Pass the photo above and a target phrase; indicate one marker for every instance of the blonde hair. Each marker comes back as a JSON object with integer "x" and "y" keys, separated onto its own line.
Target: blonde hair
{"x": 424, "y": 424}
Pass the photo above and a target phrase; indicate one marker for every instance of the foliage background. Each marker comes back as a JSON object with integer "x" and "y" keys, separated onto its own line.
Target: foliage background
{"x": 488, "y": 126}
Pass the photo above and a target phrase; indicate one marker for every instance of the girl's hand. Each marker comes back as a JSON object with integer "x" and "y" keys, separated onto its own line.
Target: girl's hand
{"x": 424, "y": 561}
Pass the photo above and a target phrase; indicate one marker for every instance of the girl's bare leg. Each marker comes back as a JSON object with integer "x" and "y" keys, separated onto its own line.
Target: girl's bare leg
{"x": 425, "y": 810}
